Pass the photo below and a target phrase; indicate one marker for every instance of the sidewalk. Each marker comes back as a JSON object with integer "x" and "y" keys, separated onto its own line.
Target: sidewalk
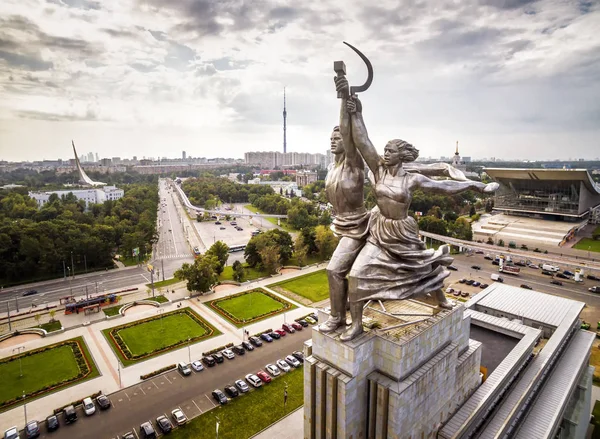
{"x": 106, "y": 360}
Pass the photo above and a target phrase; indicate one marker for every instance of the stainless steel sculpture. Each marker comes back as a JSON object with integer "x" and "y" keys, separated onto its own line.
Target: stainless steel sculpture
{"x": 393, "y": 263}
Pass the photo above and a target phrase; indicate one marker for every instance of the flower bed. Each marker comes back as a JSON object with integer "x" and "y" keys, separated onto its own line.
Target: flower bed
{"x": 203, "y": 329}
{"x": 158, "y": 372}
{"x": 54, "y": 359}
{"x": 264, "y": 307}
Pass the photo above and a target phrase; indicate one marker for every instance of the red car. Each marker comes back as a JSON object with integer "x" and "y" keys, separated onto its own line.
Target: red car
{"x": 288, "y": 328}
{"x": 264, "y": 376}
{"x": 297, "y": 326}
{"x": 281, "y": 332}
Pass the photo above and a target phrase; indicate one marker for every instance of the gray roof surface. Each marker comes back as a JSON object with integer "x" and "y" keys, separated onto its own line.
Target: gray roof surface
{"x": 495, "y": 346}
{"x": 532, "y": 305}
{"x": 546, "y": 414}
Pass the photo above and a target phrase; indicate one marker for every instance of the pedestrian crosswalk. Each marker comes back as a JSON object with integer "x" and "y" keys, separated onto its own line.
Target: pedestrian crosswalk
{"x": 176, "y": 256}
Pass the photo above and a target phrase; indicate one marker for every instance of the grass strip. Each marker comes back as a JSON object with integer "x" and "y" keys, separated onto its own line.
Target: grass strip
{"x": 248, "y": 414}
{"x": 313, "y": 286}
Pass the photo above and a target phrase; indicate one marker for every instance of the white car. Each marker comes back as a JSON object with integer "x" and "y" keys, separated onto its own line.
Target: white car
{"x": 273, "y": 370}
{"x": 228, "y": 353}
{"x": 253, "y": 380}
{"x": 241, "y": 386}
{"x": 291, "y": 360}
{"x": 88, "y": 406}
{"x": 283, "y": 365}
{"x": 535, "y": 267}
{"x": 197, "y": 366}
{"x": 179, "y": 417}
{"x": 12, "y": 433}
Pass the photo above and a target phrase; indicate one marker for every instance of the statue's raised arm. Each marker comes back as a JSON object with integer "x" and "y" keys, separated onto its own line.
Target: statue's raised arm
{"x": 361, "y": 137}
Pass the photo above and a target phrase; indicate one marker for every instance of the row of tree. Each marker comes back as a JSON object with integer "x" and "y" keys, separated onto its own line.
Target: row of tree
{"x": 209, "y": 192}
{"x": 38, "y": 243}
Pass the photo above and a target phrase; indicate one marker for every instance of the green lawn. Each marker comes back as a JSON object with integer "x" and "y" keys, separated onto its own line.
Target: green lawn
{"x": 310, "y": 259}
{"x": 312, "y": 286}
{"x": 157, "y": 335}
{"x": 243, "y": 308}
{"x": 251, "y": 273}
{"x": 160, "y": 299}
{"x": 588, "y": 244}
{"x": 112, "y": 311}
{"x": 51, "y": 326}
{"x": 263, "y": 406}
{"x": 284, "y": 225}
{"x": 42, "y": 369}
{"x": 164, "y": 283}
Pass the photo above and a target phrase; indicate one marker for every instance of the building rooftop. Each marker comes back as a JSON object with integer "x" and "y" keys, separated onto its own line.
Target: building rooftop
{"x": 495, "y": 346}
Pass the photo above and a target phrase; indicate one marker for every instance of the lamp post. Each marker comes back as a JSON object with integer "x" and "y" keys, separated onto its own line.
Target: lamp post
{"x": 119, "y": 370}
{"x": 72, "y": 265}
{"x": 189, "y": 351}
{"x": 24, "y": 407}
{"x": 19, "y": 350}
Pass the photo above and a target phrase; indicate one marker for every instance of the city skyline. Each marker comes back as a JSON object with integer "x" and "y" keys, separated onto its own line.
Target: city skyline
{"x": 512, "y": 78}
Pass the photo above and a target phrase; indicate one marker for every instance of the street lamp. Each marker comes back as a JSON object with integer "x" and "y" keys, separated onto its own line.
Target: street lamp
{"x": 189, "y": 350}
{"x": 119, "y": 370}
{"x": 20, "y": 349}
{"x": 25, "y": 407}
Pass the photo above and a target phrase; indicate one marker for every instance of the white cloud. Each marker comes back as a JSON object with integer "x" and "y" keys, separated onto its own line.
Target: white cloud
{"x": 506, "y": 77}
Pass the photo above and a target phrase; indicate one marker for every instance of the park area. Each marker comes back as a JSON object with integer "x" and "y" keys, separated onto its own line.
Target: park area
{"x": 588, "y": 245}
{"x": 313, "y": 286}
{"x": 249, "y": 307}
{"x": 250, "y": 413}
{"x": 143, "y": 339}
{"x": 44, "y": 370}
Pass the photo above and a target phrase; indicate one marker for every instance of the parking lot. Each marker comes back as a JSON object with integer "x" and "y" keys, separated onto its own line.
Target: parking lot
{"x": 164, "y": 393}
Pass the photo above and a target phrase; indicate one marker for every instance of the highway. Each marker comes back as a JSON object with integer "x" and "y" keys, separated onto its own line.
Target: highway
{"x": 161, "y": 394}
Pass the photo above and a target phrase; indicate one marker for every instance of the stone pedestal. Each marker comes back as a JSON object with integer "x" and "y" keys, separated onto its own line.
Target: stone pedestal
{"x": 387, "y": 383}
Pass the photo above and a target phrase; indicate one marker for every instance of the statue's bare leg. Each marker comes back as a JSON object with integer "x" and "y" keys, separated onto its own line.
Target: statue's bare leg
{"x": 356, "y": 328}
{"x": 443, "y": 302}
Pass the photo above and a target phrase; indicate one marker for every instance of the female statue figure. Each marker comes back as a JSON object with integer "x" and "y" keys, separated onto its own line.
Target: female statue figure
{"x": 394, "y": 263}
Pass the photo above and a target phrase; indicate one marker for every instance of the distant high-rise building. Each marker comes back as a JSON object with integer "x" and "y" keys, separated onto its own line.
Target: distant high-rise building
{"x": 284, "y": 124}
{"x": 183, "y": 155}
{"x": 97, "y": 157}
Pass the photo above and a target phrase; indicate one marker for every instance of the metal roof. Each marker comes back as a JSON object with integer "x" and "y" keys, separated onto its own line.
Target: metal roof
{"x": 547, "y": 412}
{"x": 545, "y": 174}
{"x": 528, "y": 304}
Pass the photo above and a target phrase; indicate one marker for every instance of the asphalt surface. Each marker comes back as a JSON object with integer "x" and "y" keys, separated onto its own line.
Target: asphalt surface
{"x": 162, "y": 394}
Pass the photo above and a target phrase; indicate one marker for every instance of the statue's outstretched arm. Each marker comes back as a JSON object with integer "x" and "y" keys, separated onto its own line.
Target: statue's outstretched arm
{"x": 451, "y": 186}
{"x": 352, "y": 157}
{"x": 361, "y": 137}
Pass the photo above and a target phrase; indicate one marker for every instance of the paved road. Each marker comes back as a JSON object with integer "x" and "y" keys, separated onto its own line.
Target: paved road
{"x": 162, "y": 394}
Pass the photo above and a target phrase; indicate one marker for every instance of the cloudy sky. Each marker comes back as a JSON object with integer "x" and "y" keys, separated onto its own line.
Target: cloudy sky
{"x": 506, "y": 78}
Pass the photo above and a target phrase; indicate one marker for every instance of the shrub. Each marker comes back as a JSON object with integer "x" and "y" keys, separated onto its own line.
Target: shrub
{"x": 158, "y": 372}
{"x": 500, "y": 243}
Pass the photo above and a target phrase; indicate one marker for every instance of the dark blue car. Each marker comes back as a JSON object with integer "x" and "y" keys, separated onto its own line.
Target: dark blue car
{"x": 266, "y": 337}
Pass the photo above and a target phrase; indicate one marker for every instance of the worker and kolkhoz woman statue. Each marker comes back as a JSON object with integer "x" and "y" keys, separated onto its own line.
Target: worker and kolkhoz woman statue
{"x": 380, "y": 255}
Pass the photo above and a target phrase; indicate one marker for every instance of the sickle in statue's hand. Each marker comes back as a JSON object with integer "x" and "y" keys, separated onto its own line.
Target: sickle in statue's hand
{"x": 367, "y": 84}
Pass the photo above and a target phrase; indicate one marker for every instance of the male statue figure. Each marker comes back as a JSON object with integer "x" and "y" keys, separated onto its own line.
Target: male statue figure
{"x": 344, "y": 189}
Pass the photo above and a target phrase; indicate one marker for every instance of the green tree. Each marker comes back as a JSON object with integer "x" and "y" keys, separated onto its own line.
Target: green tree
{"x": 281, "y": 239}
{"x": 472, "y": 210}
{"x": 433, "y": 224}
{"x": 461, "y": 229}
{"x": 325, "y": 241}
{"x": 238, "y": 271}
{"x": 200, "y": 275}
{"x": 269, "y": 256}
{"x": 300, "y": 250}
{"x": 221, "y": 251}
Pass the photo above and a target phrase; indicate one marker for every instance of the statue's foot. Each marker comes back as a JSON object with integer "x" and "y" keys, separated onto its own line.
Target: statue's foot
{"x": 445, "y": 305}
{"x": 355, "y": 330}
{"x": 331, "y": 324}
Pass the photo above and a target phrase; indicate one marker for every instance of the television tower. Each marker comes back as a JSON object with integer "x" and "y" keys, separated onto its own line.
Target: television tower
{"x": 284, "y": 127}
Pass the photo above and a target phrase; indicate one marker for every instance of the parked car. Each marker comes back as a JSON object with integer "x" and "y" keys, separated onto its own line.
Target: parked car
{"x": 462, "y": 281}
{"x": 241, "y": 386}
{"x": 30, "y": 292}
{"x": 222, "y": 228}
{"x": 209, "y": 360}
{"x": 449, "y": 290}
{"x": 562, "y": 276}
{"x": 255, "y": 341}
{"x": 281, "y": 332}
{"x": 457, "y": 293}
{"x": 266, "y": 337}
{"x": 52, "y": 423}
{"x": 103, "y": 402}
{"x": 11, "y": 433}
{"x": 521, "y": 263}
{"x": 464, "y": 294}
{"x": 592, "y": 277}
{"x": 479, "y": 252}
{"x": 594, "y": 289}
{"x": 495, "y": 262}
{"x": 314, "y": 316}
{"x": 275, "y": 335}
{"x": 527, "y": 287}
{"x": 488, "y": 257}
{"x": 184, "y": 368}
{"x": 469, "y": 282}
{"x": 289, "y": 328}
{"x": 253, "y": 380}
{"x": 483, "y": 286}
{"x": 452, "y": 267}
{"x": 303, "y": 322}
{"x": 496, "y": 277}
{"x": 218, "y": 357}
{"x": 283, "y": 365}
{"x": 231, "y": 391}
{"x": 556, "y": 282}
{"x": 70, "y": 414}
{"x": 273, "y": 370}
{"x": 248, "y": 346}
{"x": 547, "y": 273}
{"x": 217, "y": 223}
{"x": 179, "y": 417}
{"x": 297, "y": 326}
{"x": 310, "y": 320}
{"x": 32, "y": 429}
{"x": 264, "y": 376}
{"x": 228, "y": 353}
{"x": 569, "y": 273}
{"x": 531, "y": 265}
{"x": 129, "y": 435}
{"x": 238, "y": 349}
{"x": 197, "y": 366}
{"x": 298, "y": 356}
{"x": 164, "y": 424}
{"x": 292, "y": 361}
{"x": 476, "y": 267}
{"x": 219, "y": 396}
{"x": 88, "y": 406}
{"x": 147, "y": 430}
{"x": 475, "y": 284}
